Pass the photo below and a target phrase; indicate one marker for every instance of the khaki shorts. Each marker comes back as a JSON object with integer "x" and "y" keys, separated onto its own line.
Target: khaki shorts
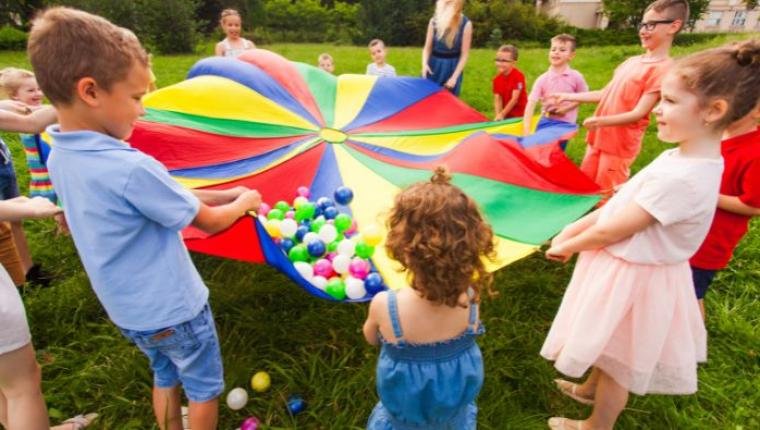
{"x": 9, "y": 257}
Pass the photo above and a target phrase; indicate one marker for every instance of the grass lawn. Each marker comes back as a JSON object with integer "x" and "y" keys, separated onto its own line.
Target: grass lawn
{"x": 316, "y": 348}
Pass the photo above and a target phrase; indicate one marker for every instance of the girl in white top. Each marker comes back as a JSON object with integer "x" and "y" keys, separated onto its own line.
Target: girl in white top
{"x": 22, "y": 405}
{"x": 232, "y": 45}
{"x": 630, "y": 312}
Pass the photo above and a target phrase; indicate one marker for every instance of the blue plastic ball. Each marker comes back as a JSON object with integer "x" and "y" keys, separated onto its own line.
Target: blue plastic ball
{"x": 301, "y": 232}
{"x": 316, "y": 248}
{"x": 330, "y": 212}
{"x": 286, "y": 244}
{"x": 373, "y": 283}
{"x": 343, "y": 195}
{"x": 324, "y": 202}
{"x": 296, "y": 405}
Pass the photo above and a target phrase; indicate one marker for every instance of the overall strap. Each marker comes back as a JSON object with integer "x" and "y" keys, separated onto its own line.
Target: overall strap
{"x": 393, "y": 311}
{"x": 473, "y": 317}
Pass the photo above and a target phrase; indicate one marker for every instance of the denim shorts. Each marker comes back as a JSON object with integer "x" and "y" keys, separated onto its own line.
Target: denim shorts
{"x": 186, "y": 353}
{"x": 702, "y": 280}
{"x": 8, "y": 183}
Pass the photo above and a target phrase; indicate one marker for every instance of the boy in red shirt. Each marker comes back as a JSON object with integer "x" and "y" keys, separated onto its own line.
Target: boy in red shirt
{"x": 739, "y": 201}
{"x": 509, "y": 93}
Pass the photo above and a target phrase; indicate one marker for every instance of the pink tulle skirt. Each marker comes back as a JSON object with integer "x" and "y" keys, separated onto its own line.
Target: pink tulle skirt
{"x": 638, "y": 323}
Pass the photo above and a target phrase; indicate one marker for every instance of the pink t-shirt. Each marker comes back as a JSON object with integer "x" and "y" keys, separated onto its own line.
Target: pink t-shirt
{"x": 551, "y": 82}
{"x": 681, "y": 194}
{"x": 632, "y": 79}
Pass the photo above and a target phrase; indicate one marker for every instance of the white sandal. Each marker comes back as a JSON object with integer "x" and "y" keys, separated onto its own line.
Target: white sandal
{"x": 560, "y": 423}
{"x": 569, "y": 389}
{"x": 81, "y": 421}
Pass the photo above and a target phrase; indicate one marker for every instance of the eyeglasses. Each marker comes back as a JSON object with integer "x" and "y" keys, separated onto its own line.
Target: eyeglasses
{"x": 500, "y": 60}
{"x": 650, "y": 25}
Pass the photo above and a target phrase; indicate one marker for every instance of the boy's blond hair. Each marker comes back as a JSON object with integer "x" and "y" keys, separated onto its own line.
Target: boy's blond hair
{"x": 229, "y": 12}
{"x": 11, "y": 79}
{"x": 673, "y": 9}
{"x": 66, "y": 45}
{"x": 512, "y": 49}
{"x": 325, "y": 56}
{"x": 567, "y": 38}
{"x": 374, "y": 42}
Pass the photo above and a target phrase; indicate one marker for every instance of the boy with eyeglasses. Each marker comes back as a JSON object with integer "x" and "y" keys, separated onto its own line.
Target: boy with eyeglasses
{"x": 617, "y": 127}
{"x": 509, "y": 93}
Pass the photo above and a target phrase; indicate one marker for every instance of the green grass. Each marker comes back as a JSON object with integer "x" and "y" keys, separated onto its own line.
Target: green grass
{"x": 316, "y": 348}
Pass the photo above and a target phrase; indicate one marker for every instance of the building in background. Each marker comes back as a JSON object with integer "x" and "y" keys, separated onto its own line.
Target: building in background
{"x": 721, "y": 16}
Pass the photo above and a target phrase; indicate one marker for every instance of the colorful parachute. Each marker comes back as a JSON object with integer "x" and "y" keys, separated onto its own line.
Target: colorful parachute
{"x": 267, "y": 123}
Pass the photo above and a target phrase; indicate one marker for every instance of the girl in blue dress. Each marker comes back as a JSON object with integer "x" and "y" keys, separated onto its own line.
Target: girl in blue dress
{"x": 430, "y": 368}
{"x": 447, "y": 45}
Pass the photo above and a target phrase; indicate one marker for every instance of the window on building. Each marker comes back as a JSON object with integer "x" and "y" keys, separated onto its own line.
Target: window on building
{"x": 739, "y": 18}
{"x": 713, "y": 19}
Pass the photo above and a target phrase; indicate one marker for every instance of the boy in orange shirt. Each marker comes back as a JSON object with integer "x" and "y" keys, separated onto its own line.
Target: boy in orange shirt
{"x": 617, "y": 127}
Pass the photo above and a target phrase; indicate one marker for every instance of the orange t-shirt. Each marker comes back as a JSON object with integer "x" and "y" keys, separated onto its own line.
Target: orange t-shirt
{"x": 632, "y": 79}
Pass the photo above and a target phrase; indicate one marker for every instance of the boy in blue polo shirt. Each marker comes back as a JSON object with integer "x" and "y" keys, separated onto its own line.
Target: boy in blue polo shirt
{"x": 125, "y": 211}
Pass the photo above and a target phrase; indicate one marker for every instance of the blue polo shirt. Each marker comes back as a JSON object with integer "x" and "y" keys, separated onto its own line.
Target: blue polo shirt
{"x": 125, "y": 214}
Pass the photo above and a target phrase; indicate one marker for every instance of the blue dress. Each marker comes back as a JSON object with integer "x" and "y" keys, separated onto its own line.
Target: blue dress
{"x": 429, "y": 385}
{"x": 443, "y": 60}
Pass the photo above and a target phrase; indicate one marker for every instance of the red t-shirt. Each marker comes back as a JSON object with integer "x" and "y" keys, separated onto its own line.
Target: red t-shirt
{"x": 741, "y": 178}
{"x": 504, "y": 85}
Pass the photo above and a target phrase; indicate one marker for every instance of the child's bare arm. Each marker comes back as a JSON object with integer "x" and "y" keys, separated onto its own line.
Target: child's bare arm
{"x": 632, "y": 219}
{"x": 643, "y": 108}
{"x": 219, "y": 49}
{"x": 577, "y": 227}
{"x": 32, "y": 123}
{"x": 511, "y": 103}
{"x": 585, "y": 97}
{"x": 23, "y": 207}
{"x": 427, "y": 50}
{"x": 219, "y": 197}
{"x": 530, "y": 107}
{"x": 497, "y": 105}
{"x": 734, "y": 205}
{"x": 213, "y": 219}
{"x": 371, "y": 325}
{"x": 463, "y": 56}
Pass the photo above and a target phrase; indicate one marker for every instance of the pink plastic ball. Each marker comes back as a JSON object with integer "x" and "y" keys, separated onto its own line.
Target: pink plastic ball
{"x": 352, "y": 229}
{"x": 330, "y": 256}
{"x": 323, "y": 267}
{"x": 303, "y": 191}
{"x": 264, "y": 209}
{"x": 250, "y": 423}
{"x": 290, "y": 214}
{"x": 359, "y": 268}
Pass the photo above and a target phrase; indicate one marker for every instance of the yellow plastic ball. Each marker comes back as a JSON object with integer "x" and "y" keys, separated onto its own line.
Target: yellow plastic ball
{"x": 261, "y": 381}
{"x": 371, "y": 235}
{"x": 272, "y": 227}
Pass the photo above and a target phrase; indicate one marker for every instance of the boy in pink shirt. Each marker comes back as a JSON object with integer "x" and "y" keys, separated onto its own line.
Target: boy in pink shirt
{"x": 622, "y": 116}
{"x": 560, "y": 78}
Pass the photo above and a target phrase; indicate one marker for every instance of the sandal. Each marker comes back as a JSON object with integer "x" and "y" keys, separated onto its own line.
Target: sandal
{"x": 569, "y": 389}
{"x": 80, "y": 421}
{"x": 561, "y": 423}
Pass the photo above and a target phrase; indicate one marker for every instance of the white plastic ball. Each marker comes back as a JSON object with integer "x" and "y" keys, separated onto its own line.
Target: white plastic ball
{"x": 319, "y": 282}
{"x": 327, "y": 233}
{"x": 355, "y": 288}
{"x": 304, "y": 269}
{"x": 346, "y": 247}
{"x": 237, "y": 398}
{"x": 310, "y": 237}
{"x": 288, "y": 227}
{"x": 340, "y": 263}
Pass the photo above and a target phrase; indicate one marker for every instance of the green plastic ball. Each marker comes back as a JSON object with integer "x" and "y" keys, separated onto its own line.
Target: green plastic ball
{"x": 298, "y": 253}
{"x": 276, "y": 214}
{"x": 363, "y": 250}
{"x": 342, "y": 222}
{"x": 336, "y": 288}
{"x": 282, "y": 205}
{"x": 305, "y": 211}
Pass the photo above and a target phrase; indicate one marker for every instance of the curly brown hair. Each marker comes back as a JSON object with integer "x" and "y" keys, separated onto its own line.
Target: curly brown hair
{"x": 439, "y": 236}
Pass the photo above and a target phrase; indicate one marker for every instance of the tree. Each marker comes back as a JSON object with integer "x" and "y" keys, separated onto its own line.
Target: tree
{"x": 628, "y": 13}
{"x": 397, "y": 22}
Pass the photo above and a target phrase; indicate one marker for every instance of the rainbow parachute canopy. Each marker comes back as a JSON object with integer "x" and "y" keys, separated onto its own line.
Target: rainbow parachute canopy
{"x": 264, "y": 122}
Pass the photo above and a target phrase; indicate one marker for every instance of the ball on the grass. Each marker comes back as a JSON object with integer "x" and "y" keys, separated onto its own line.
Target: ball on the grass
{"x": 261, "y": 381}
{"x": 296, "y": 404}
{"x": 237, "y": 398}
{"x": 250, "y": 423}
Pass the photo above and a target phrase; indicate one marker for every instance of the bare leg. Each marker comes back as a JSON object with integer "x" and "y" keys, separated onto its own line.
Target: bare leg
{"x": 23, "y": 248}
{"x": 166, "y": 406}
{"x": 611, "y": 399}
{"x": 588, "y": 388}
{"x": 204, "y": 415}
{"x": 20, "y": 384}
{"x": 702, "y": 308}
